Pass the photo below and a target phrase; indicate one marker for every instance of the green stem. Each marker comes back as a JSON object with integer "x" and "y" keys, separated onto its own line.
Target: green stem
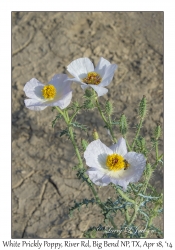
{"x": 99, "y": 202}
{"x": 112, "y": 223}
{"x": 61, "y": 112}
{"x": 72, "y": 117}
{"x": 109, "y": 118}
{"x": 94, "y": 192}
{"x": 137, "y": 134}
{"x": 146, "y": 185}
{"x": 127, "y": 217}
{"x": 101, "y": 113}
{"x": 123, "y": 195}
{"x": 149, "y": 224}
{"x": 160, "y": 156}
{"x": 108, "y": 124}
{"x": 136, "y": 208}
{"x": 65, "y": 115}
{"x": 127, "y": 143}
{"x": 157, "y": 153}
{"x": 152, "y": 216}
{"x": 75, "y": 147}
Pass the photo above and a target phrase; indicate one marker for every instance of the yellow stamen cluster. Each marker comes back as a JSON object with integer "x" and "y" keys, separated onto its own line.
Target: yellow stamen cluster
{"x": 116, "y": 162}
{"x": 92, "y": 78}
{"x": 49, "y": 91}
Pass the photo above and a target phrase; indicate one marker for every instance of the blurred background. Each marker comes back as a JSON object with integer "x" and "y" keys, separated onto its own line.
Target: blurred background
{"x": 44, "y": 185}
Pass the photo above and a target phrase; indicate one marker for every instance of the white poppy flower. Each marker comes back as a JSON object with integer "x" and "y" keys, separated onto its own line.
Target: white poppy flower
{"x": 85, "y": 74}
{"x": 56, "y": 93}
{"x": 113, "y": 164}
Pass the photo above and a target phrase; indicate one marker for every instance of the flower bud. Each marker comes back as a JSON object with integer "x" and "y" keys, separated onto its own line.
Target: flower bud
{"x": 143, "y": 107}
{"x": 108, "y": 107}
{"x": 88, "y": 93}
{"x": 148, "y": 171}
{"x": 123, "y": 124}
{"x": 157, "y": 132}
{"x": 95, "y": 134}
{"x": 88, "y": 104}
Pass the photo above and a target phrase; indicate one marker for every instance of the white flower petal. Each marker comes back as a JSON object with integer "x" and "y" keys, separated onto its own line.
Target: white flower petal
{"x": 100, "y": 90}
{"x": 33, "y": 89}
{"x": 120, "y": 147}
{"x": 133, "y": 173}
{"x": 109, "y": 73}
{"x": 62, "y": 85}
{"x": 121, "y": 183}
{"x": 137, "y": 164}
{"x": 64, "y": 101}
{"x": 102, "y": 64}
{"x": 98, "y": 177}
{"x": 102, "y": 160}
{"x": 106, "y": 179}
{"x": 77, "y": 80}
{"x": 79, "y": 67}
{"x": 58, "y": 79}
{"x": 63, "y": 97}
{"x": 34, "y": 104}
{"x": 95, "y": 154}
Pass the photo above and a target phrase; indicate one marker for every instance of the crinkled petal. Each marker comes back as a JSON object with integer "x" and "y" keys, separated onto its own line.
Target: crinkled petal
{"x": 62, "y": 85}
{"x": 102, "y": 66}
{"x": 63, "y": 93}
{"x": 102, "y": 177}
{"x": 34, "y": 104}
{"x": 137, "y": 164}
{"x": 120, "y": 147}
{"x": 96, "y": 153}
{"x": 100, "y": 90}
{"x": 33, "y": 89}
{"x": 102, "y": 160}
{"x": 106, "y": 179}
{"x": 58, "y": 79}
{"x": 77, "y": 80}
{"x": 63, "y": 89}
{"x": 80, "y": 67}
{"x": 95, "y": 156}
{"x": 133, "y": 173}
{"x": 98, "y": 177}
{"x": 109, "y": 73}
{"x": 64, "y": 101}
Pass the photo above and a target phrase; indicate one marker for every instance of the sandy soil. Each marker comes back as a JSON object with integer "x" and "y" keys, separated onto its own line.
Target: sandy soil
{"x": 43, "y": 44}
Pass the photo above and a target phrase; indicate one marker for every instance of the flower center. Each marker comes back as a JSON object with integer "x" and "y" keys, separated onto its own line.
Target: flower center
{"x": 92, "y": 78}
{"x": 116, "y": 162}
{"x": 49, "y": 91}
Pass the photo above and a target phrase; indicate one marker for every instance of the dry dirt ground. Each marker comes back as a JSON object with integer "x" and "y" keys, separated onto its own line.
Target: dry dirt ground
{"x": 43, "y": 44}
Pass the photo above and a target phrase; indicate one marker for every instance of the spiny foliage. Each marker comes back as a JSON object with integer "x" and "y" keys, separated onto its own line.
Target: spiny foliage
{"x": 78, "y": 205}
